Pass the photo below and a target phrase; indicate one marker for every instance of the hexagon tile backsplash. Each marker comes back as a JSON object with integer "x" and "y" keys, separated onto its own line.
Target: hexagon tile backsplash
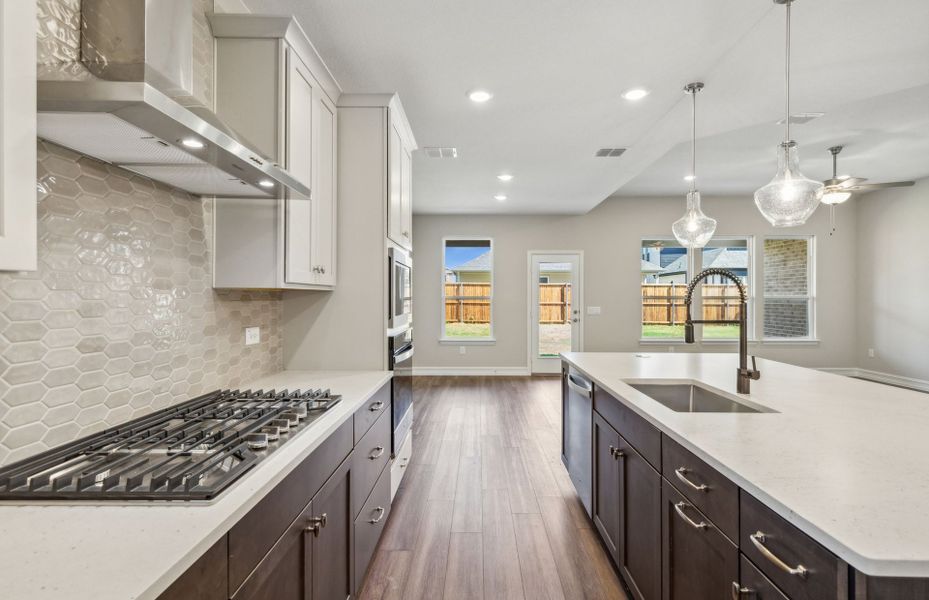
{"x": 120, "y": 318}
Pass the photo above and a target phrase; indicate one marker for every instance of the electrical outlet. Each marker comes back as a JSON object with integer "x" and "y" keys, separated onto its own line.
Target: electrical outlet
{"x": 462, "y": 349}
{"x": 252, "y": 335}
{"x": 870, "y": 352}
{"x": 593, "y": 310}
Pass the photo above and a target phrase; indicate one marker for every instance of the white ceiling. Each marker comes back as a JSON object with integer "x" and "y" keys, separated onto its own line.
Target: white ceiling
{"x": 557, "y": 70}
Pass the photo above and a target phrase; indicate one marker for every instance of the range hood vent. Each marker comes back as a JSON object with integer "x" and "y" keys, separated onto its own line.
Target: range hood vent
{"x": 115, "y": 82}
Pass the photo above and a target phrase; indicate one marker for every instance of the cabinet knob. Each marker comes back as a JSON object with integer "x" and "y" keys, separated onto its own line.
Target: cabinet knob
{"x": 738, "y": 590}
{"x": 316, "y": 523}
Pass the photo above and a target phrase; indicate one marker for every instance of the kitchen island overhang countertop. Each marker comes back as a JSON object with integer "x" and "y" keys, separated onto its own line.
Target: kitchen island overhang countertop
{"x": 135, "y": 550}
{"x": 842, "y": 459}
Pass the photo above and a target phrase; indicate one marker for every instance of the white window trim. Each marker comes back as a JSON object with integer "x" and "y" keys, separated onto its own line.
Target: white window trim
{"x": 692, "y": 271}
{"x": 488, "y": 340}
{"x": 812, "y": 338}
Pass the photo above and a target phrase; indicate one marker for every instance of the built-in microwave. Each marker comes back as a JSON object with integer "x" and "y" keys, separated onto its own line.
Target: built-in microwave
{"x": 400, "y": 273}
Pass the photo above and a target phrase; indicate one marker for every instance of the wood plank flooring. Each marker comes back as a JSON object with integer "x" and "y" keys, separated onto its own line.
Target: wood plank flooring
{"x": 486, "y": 510}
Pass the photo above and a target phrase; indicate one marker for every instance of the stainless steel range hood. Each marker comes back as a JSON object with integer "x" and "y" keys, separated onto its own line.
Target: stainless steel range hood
{"x": 115, "y": 82}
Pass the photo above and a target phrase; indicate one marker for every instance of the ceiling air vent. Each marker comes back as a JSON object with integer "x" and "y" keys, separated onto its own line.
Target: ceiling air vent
{"x": 802, "y": 118}
{"x": 434, "y": 152}
{"x": 610, "y": 152}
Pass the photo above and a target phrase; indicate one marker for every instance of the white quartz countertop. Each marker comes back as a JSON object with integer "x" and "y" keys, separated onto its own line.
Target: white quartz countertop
{"x": 845, "y": 460}
{"x": 135, "y": 551}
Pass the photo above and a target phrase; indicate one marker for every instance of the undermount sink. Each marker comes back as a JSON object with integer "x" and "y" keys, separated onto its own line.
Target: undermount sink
{"x": 686, "y": 397}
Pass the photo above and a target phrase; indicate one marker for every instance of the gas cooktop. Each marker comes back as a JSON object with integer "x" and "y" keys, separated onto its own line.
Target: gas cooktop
{"x": 191, "y": 451}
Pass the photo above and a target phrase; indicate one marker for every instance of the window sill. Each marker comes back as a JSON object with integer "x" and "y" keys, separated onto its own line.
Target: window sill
{"x": 468, "y": 341}
{"x": 680, "y": 342}
{"x": 791, "y": 341}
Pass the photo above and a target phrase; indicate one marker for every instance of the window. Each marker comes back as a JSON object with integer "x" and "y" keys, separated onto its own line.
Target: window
{"x": 789, "y": 294}
{"x": 543, "y": 278}
{"x": 467, "y": 289}
{"x": 667, "y": 268}
{"x": 719, "y": 296}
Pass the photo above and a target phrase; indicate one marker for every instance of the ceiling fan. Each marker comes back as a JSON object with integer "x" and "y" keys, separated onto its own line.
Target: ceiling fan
{"x": 839, "y": 189}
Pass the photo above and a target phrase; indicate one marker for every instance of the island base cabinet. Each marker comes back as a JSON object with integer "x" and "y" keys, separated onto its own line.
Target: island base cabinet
{"x": 606, "y": 485}
{"x": 698, "y": 561}
{"x": 640, "y": 524}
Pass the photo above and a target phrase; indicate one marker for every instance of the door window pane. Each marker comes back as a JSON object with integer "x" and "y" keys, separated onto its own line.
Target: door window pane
{"x": 468, "y": 288}
{"x": 555, "y": 308}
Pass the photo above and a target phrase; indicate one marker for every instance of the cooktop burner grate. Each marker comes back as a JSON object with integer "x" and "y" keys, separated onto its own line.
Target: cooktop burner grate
{"x": 191, "y": 451}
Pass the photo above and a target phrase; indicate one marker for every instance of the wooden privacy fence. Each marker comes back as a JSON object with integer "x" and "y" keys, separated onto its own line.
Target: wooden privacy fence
{"x": 470, "y": 303}
{"x": 663, "y": 303}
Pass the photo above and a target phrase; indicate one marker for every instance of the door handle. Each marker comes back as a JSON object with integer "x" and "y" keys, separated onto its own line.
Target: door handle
{"x": 580, "y": 389}
{"x": 380, "y": 515}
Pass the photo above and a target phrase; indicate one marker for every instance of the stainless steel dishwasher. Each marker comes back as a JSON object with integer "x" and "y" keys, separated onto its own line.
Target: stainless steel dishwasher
{"x": 577, "y": 419}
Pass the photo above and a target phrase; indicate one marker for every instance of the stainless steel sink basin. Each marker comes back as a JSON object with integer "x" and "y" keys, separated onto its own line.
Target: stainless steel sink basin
{"x": 685, "y": 397}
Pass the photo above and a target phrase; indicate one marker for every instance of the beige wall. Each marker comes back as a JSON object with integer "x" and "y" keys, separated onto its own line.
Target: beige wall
{"x": 893, "y": 281}
{"x": 610, "y": 236}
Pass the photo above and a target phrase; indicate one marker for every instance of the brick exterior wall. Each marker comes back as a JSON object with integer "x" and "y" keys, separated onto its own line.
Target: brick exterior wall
{"x": 786, "y": 272}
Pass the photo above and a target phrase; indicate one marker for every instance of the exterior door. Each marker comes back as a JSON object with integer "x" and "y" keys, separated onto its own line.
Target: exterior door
{"x": 554, "y": 308}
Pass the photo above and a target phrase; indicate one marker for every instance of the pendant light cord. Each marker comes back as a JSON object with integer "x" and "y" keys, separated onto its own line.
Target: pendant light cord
{"x": 787, "y": 73}
{"x": 693, "y": 142}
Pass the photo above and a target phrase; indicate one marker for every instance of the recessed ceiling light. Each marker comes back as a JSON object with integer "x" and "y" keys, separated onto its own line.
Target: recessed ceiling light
{"x": 505, "y": 177}
{"x": 266, "y": 183}
{"x": 500, "y": 197}
{"x": 480, "y": 96}
{"x": 689, "y": 177}
{"x": 635, "y": 94}
{"x": 192, "y": 143}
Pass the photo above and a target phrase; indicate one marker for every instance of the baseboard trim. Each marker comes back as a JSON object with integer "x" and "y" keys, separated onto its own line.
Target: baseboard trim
{"x": 471, "y": 371}
{"x": 912, "y": 383}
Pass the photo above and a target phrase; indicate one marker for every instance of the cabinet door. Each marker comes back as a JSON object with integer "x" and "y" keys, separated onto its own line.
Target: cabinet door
{"x": 395, "y": 184}
{"x": 332, "y": 545}
{"x": 324, "y": 190}
{"x": 698, "y": 561}
{"x": 285, "y": 572}
{"x": 606, "y": 492}
{"x": 640, "y": 524}
{"x": 298, "y": 216}
{"x": 406, "y": 198}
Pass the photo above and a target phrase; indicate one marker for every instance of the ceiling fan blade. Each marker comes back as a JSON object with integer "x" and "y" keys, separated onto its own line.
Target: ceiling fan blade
{"x": 876, "y": 186}
{"x": 844, "y": 183}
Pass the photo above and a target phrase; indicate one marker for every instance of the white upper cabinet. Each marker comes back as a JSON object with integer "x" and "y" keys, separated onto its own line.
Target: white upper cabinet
{"x": 275, "y": 91}
{"x": 400, "y": 185}
{"x": 18, "y": 231}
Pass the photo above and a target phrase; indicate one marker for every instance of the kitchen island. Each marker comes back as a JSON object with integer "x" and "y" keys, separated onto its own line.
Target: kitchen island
{"x": 837, "y": 459}
{"x": 123, "y": 551}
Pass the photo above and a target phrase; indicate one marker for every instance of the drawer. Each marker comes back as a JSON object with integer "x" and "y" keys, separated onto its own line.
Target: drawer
{"x": 640, "y": 434}
{"x": 369, "y": 525}
{"x": 777, "y": 547}
{"x": 704, "y": 486}
{"x": 254, "y": 535}
{"x": 370, "y": 457}
{"x": 754, "y": 585}
{"x": 377, "y": 405}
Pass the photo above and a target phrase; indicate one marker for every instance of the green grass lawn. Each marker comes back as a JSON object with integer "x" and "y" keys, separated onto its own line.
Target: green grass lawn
{"x": 710, "y": 332}
{"x": 467, "y": 330}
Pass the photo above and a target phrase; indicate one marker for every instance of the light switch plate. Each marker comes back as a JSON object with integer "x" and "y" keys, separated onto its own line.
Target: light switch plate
{"x": 252, "y": 335}
{"x": 593, "y": 310}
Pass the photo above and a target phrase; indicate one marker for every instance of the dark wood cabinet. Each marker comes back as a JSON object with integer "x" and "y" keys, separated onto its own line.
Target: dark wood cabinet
{"x": 284, "y": 573}
{"x": 205, "y": 579}
{"x": 640, "y": 524}
{"x": 753, "y": 585}
{"x": 606, "y": 484}
{"x": 698, "y": 561}
{"x": 332, "y": 521}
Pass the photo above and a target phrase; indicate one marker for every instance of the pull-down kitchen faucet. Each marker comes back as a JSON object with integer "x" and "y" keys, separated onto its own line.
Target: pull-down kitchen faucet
{"x": 745, "y": 375}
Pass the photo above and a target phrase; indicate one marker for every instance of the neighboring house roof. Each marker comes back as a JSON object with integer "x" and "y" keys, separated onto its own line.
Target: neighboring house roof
{"x": 650, "y": 267}
{"x": 478, "y": 264}
{"x": 715, "y": 258}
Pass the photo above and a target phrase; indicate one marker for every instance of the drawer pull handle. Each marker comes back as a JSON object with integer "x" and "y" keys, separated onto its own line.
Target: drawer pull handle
{"x": 316, "y": 523}
{"x": 376, "y": 454}
{"x": 758, "y": 539}
{"x": 738, "y": 591}
{"x": 380, "y": 515}
{"x": 682, "y": 471}
{"x": 679, "y": 507}
{"x": 376, "y": 406}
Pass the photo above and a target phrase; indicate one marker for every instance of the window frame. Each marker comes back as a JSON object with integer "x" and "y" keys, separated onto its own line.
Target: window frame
{"x": 812, "y": 336}
{"x": 692, "y": 270}
{"x": 474, "y": 341}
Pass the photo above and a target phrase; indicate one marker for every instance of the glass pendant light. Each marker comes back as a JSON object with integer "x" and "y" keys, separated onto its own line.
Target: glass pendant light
{"x": 790, "y": 198}
{"x": 694, "y": 229}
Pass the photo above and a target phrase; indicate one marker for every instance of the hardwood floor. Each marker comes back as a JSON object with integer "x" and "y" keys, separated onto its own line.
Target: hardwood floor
{"x": 486, "y": 509}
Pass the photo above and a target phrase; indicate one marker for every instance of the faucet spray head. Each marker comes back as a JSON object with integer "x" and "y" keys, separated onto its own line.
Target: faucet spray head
{"x": 689, "y": 333}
